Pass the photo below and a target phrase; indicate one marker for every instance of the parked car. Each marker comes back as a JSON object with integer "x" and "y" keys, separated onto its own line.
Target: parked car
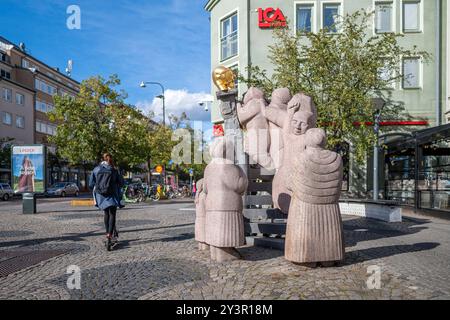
{"x": 6, "y": 192}
{"x": 62, "y": 189}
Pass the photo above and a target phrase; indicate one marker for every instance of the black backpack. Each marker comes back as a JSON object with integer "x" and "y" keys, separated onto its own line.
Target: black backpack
{"x": 104, "y": 182}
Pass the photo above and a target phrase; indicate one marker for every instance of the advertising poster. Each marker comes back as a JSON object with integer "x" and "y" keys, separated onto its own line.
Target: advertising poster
{"x": 28, "y": 169}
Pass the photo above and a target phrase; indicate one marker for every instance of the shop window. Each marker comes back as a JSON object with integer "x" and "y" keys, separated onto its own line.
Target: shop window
{"x": 411, "y": 16}
{"x": 229, "y": 37}
{"x": 383, "y": 17}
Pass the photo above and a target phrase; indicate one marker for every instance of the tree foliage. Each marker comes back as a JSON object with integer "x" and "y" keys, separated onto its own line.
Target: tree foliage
{"x": 342, "y": 72}
{"x": 97, "y": 120}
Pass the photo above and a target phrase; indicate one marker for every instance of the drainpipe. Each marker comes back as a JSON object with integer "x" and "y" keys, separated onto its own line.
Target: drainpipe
{"x": 438, "y": 63}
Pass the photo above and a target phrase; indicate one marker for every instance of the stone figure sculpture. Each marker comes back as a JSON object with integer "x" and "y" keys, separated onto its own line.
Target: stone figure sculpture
{"x": 257, "y": 139}
{"x": 314, "y": 229}
{"x": 200, "y": 216}
{"x": 278, "y": 103}
{"x": 301, "y": 116}
{"x": 224, "y": 185}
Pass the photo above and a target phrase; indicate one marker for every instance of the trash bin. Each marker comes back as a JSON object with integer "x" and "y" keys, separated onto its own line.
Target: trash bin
{"x": 29, "y": 203}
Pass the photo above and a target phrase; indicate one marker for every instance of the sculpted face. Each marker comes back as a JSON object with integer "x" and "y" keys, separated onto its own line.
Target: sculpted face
{"x": 223, "y": 78}
{"x": 300, "y": 122}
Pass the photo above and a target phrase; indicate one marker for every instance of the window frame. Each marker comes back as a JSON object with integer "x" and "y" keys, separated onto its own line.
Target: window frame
{"x": 393, "y": 16}
{"x": 10, "y": 94}
{"x": 221, "y": 38}
{"x": 4, "y": 114}
{"x": 323, "y": 4}
{"x": 23, "y": 99}
{"x": 420, "y": 75}
{"x": 314, "y": 17}
{"x": 23, "y": 122}
{"x": 420, "y": 17}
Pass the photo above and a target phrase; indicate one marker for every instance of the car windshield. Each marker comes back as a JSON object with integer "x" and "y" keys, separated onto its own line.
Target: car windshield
{"x": 59, "y": 185}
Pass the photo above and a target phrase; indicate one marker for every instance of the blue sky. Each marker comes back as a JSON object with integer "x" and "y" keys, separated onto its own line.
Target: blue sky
{"x": 153, "y": 40}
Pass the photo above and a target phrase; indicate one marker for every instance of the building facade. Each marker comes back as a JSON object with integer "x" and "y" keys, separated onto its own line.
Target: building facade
{"x": 240, "y": 36}
{"x": 28, "y": 87}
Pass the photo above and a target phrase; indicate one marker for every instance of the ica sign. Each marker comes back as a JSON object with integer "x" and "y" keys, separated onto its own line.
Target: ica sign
{"x": 271, "y": 18}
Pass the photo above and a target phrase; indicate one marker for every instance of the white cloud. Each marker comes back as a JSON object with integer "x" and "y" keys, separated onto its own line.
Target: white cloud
{"x": 178, "y": 101}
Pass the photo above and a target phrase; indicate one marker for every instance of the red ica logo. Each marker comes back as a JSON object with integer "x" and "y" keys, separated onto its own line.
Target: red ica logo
{"x": 270, "y": 18}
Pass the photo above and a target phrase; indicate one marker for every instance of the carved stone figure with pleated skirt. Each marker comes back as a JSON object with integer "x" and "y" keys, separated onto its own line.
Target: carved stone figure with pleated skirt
{"x": 224, "y": 184}
{"x": 200, "y": 216}
{"x": 314, "y": 229}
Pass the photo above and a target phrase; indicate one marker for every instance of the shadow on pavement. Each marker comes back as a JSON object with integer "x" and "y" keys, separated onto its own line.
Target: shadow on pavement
{"x": 79, "y": 237}
{"x": 369, "y": 254}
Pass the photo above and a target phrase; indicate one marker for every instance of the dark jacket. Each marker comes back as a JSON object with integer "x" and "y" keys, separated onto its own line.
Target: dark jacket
{"x": 101, "y": 201}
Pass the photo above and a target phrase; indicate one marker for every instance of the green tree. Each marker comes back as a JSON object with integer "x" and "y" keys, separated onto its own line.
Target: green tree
{"x": 5, "y": 152}
{"x": 342, "y": 72}
{"x": 98, "y": 120}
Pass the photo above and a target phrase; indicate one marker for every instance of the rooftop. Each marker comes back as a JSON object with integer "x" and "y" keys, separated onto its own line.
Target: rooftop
{"x": 16, "y": 47}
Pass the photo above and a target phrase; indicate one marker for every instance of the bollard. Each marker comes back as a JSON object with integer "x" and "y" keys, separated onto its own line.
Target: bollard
{"x": 29, "y": 203}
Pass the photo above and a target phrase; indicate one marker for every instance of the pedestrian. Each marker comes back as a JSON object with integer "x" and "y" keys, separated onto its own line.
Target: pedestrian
{"x": 194, "y": 189}
{"x": 106, "y": 183}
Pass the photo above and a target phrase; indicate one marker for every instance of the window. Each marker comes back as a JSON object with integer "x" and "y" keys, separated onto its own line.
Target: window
{"x": 5, "y": 74}
{"x": 45, "y": 87}
{"x": 305, "y": 17}
{"x": 41, "y": 127}
{"x": 229, "y": 37}
{"x": 43, "y": 107}
{"x": 25, "y": 63}
{"x": 20, "y": 99}
{"x": 7, "y": 94}
{"x": 7, "y": 118}
{"x": 411, "y": 73}
{"x": 3, "y": 57}
{"x": 330, "y": 14}
{"x": 411, "y": 16}
{"x": 20, "y": 122}
{"x": 383, "y": 17}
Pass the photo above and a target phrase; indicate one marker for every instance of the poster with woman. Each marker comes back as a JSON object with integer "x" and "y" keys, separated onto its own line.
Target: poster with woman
{"x": 28, "y": 168}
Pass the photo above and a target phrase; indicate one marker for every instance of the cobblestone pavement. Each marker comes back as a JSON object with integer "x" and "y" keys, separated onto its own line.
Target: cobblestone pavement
{"x": 158, "y": 259}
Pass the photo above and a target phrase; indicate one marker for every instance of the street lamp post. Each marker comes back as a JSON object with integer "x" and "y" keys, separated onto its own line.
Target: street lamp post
{"x": 162, "y": 96}
{"x": 378, "y": 106}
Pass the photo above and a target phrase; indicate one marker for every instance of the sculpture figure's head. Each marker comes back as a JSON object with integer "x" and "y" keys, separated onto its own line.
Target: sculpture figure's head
{"x": 281, "y": 96}
{"x": 303, "y": 113}
{"x": 222, "y": 148}
{"x": 223, "y": 78}
{"x": 253, "y": 93}
{"x": 301, "y": 122}
{"x": 316, "y": 138}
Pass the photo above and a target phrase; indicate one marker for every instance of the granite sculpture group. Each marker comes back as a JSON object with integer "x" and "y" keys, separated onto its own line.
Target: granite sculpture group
{"x": 280, "y": 136}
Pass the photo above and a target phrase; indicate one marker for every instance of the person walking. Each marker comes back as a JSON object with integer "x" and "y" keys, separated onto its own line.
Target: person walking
{"x": 194, "y": 189}
{"x": 106, "y": 183}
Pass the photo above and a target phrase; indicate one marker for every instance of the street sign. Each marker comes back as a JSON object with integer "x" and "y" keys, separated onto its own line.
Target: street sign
{"x": 159, "y": 169}
{"x": 191, "y": 172}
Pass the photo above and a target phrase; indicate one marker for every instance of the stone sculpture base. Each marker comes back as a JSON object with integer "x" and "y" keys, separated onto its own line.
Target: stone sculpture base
{"x": 224, "y": 254}
{"x": 203, "y": 246}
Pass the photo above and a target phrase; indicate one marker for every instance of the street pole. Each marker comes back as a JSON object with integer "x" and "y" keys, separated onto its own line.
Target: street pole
{"x": 376, "y": 150}
{"x": 163, "y": 97}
